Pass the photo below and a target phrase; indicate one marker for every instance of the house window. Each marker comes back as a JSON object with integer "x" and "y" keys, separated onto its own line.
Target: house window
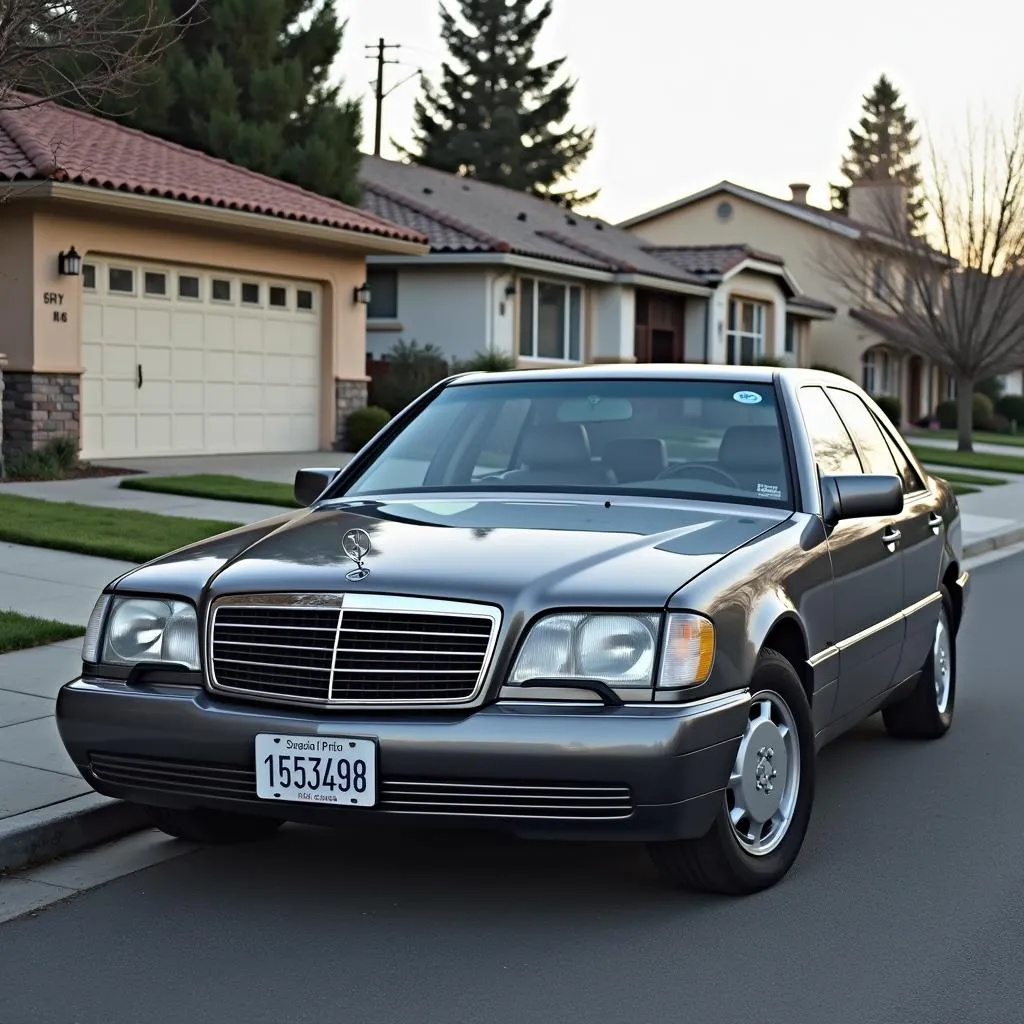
{"x": 790, "y": 346}
{"x": 89, "y": 277}
{"x": 550, "y": 320}
{"x": 880, "y": 286}
{"x": 154, "y": 283}
{"x": 220, "y": 290}
{"x": 877, "y": 373}
{"x": 120, "y": 280}
{"x": 278, "y": 296}
{"x": 909, "y": 292}
{"x": 250, "y": 293}
{"x": 188, "y": 286}
{"x": 745, "y": 340}
{"x": 383, "y": 294}
{"x": 303, "y": 299}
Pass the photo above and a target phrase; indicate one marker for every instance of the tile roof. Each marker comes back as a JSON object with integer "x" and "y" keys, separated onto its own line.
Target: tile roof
{"x": 461, "y": 215}
{"x": 50, "y": 142}
{"x": 711, "y": 260}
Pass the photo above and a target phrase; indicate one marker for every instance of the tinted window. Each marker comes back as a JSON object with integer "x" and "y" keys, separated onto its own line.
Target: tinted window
{"x": 221, "y": 290}
{"x": 912, "y": 483}
{"x": 250, "y": 293}
{"x": 188, "y": 286}
{"x": 119, "y": 280}
{"x": 866, "y": 432}
{"x": 833, "y": 449}
{"x": 678, "y": 438}
{"x": 383, "y": 294}
{"x": 278, "y": 296}
{"x": 88, "y": 276}
{"x": 155, "y": 283}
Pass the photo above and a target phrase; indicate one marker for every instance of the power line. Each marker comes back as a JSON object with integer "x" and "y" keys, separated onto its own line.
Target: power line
{"x": 379, "y": 54}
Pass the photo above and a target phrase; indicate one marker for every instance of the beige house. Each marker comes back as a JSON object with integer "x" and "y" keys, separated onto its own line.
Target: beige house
{"x": 514, "y": 274}
{"x": 157, "y": 301}
{"x": 812, "y": 242}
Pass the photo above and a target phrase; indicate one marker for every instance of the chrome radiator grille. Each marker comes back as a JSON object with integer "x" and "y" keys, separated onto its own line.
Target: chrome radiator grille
{"x": 350, "y": 649}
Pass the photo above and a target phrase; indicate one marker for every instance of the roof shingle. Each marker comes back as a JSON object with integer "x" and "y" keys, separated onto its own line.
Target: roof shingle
{"x": 711, "y": 260}
{"x": 49, "y": 142}
{"x": 464, "y": 215}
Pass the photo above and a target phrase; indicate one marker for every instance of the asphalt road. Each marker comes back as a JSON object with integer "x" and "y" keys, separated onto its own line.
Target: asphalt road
{"x": 907, "y": 906}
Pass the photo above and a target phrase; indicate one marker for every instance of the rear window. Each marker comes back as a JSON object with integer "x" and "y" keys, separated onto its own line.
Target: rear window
{"x": 705, "y": 439}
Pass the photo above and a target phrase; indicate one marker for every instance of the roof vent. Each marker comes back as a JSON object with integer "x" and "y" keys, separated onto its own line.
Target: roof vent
{"x": 465, "y": 188}
{"x": 522, "y": 216}
{"x": 569, "y": 219}
{"x": 599, "y": 226}
{"x": 427, "y": 190}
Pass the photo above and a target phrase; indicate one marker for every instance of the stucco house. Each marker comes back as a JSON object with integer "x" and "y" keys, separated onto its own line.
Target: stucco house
{"x": 511, "y": 273}
{"x": 157, "y": 301}
{"x": 805, "y": 237}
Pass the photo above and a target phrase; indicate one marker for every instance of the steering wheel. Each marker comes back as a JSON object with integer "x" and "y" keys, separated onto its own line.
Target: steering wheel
{"x": 708, "y": 472}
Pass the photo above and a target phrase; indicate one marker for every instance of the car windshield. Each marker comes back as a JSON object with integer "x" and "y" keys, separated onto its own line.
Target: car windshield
{"x": 681, "y": 438}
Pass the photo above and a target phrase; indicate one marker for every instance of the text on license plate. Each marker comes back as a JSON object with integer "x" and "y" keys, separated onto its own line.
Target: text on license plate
{"x": 316, "y": 769}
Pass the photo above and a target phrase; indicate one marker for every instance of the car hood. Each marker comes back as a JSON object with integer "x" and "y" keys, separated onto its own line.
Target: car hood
{"x": 509, "y": 551}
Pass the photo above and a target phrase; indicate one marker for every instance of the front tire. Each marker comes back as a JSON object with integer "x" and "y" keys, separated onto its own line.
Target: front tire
{"x": 766, "y": 807}
{"x": 212, "y": 828}
{"x": 926, "y": 713}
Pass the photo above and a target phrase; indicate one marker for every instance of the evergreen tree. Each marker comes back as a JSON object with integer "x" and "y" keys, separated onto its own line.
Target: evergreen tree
{"x": 497, "y": 114}
{"x": 247, "y": 82}
{"x": 883, "y": 145}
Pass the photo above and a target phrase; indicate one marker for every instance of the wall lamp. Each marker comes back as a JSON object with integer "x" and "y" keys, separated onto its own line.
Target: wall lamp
{"x": 362, "y": 294}
{"x": 69, "y": 264}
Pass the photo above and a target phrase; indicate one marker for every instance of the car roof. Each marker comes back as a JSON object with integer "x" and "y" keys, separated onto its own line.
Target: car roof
{"x": 656, "y": 371}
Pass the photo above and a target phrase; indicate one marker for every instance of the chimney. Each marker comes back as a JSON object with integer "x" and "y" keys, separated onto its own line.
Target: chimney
{"x": 879, "y": 203}
{"x": 799, "y": 195}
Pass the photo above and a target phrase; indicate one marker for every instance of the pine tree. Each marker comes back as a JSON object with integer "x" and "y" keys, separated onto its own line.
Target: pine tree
{"x": 248, "y": 82}
{"x": 884, "y": 145}
{"x": 497, "y": 114}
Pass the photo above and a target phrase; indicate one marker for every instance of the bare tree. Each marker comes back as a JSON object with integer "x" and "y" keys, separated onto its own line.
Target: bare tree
{"x": 958, "y": 299}
{"x": 82, "y": 51}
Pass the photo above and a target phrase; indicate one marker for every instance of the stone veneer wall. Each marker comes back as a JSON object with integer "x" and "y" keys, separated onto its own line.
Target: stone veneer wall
{"x": 349, "y": 395}
{"x": 38, "y": 408}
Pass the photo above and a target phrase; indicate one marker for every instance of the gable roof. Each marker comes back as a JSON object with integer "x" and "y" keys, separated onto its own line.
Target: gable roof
{"x": 47, "y": 142}
{"x": 827, "y": 220}
{"x": 463, "y": 215}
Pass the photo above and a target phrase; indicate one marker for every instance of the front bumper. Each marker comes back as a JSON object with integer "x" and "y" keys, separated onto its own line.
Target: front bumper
{"x": 543, "y": 770}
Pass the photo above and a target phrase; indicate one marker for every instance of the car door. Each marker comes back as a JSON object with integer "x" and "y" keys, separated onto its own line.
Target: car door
{"x": 867, "y": 570}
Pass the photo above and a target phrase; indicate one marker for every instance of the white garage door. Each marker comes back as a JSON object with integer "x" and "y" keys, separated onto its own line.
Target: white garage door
{"x": 188, "y": 361}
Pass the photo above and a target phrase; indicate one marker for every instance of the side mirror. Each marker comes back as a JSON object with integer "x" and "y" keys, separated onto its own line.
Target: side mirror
{"x": 855, "y": 495}
{"x": 311, "y": 483}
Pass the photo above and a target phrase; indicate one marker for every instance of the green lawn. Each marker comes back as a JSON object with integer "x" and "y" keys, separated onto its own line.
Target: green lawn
{"x": 962, "y": 489}
{"x": 106, "y": 532}
{"x": 216, "y": 488}
{"x": 980, "y": 436}
{"x": 969, "y": 478}
{"x": 19, "y": 631}
{"x": 969, "y": 460}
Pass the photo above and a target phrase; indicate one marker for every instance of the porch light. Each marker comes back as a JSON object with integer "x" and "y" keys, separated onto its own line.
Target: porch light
{"x": 69, "y": 264}
{"x": 362, "y": 294}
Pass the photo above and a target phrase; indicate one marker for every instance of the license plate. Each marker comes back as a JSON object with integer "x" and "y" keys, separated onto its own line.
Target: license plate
{"x": 316, "y": 769}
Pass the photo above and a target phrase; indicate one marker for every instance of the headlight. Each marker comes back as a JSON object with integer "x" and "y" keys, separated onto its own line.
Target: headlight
{"x": 687, "y": 651}
{"x": 617, "y": 649}
{"x": 148, "y": 629}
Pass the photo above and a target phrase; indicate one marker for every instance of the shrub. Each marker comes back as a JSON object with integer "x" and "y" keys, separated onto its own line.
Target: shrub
{"x": 945, "y": 413}
{"x": 363, "y": 424}
{"x": 824, "y": 368}
{"x": 1011, "y": 407}
{"x": 1000, "y": 424}
{"x": 982, "y": 411}
{"x": 50, "y": 462}
{"x": 487, "y": 362}
{"x": 412, "y": 369}
{"x": 891, "y": 406}
{"x": 992, "y": 387}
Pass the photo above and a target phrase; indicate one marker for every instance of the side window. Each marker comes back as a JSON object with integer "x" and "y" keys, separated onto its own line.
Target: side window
{"x": 833, "y": 449}
{"x": 866, "y": 432}
{"x": 912, "y": 483}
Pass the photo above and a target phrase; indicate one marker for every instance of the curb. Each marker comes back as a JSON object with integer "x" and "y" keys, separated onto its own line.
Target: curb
{"x": 68, "y": 827}
{"x": 1000, "y": 540}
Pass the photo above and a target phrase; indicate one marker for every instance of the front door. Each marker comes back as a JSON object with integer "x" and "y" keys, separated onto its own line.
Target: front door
{"x": 920, "y": 527}
{"x": 867, "y": 568}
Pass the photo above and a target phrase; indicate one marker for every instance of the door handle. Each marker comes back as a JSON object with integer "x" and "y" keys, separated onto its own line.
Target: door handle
{"x": 138, "y": 375}
{"x": 891, "y": 536}
{"x": 935, "y": 522}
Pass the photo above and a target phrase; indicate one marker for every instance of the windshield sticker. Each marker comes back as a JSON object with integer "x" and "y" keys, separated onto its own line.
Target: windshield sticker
{"x": 747, "y": 397}
{"x": 769, "y": 491}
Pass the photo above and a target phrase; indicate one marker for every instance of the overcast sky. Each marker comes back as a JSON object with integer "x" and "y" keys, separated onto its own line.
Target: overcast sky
{"x": 684, "y": 94}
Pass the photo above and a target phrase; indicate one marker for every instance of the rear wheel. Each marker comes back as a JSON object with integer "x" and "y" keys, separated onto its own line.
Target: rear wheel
{"x": 760, "y": 827}
{"x": 219, "y": 828}
{"x": 926, "y": 713}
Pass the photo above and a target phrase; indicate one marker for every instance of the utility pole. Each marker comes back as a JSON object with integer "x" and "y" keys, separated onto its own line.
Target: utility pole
{"x": 380, "y": 56}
